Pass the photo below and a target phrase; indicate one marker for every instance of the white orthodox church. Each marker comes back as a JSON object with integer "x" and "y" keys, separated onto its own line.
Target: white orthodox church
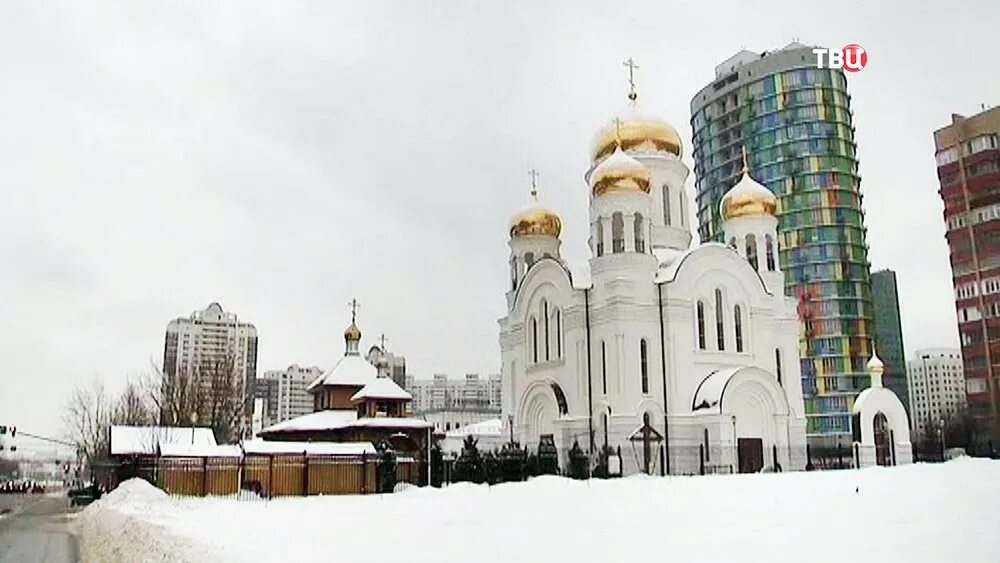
{"x": 679, "y": 356}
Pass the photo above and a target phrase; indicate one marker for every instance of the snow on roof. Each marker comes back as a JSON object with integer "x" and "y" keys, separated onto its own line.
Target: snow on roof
{"x": 262, "y": 447}
{"x": 668, "y": 270}
{"x": 320, "y": 420}
{"x": 147, "y": 440}
{"x": 350, "y": 370}
{"x": 382, "y": 388}
{"x": 390, "y": 422}
{"x": 709, "y": 392}
{"x": 198, "y": 450}
{"x": 491, "y": 427}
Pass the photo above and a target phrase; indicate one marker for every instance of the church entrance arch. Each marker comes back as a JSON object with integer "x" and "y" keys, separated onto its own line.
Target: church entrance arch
{"x": 542, "y": 405}
{"x": 880, "y": 426}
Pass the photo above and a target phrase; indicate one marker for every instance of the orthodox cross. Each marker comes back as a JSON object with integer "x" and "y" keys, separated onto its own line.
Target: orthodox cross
{"x": 632, "y": 67}
{"x": 744, "y": 149}
{"x": 354, "y": 310}
{"x": 381, "y": 340}
{"x": 534, "y": 178}
{"x": 618, "y": 130}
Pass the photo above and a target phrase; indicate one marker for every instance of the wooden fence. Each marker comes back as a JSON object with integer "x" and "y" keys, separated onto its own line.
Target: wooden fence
{"x": 269, "y": 476}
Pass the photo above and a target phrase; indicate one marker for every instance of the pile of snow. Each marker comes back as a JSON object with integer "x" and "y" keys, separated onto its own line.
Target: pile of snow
{"x": 122, "y": 526}
{"x": 922, "y": 512}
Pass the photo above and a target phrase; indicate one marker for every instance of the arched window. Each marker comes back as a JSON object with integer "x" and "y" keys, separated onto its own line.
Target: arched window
{"x": 617, "y": 233}
{"x": 643, "y": 363}
{"x": 751, "y": 244}
{"x": 600, "y": 238}
{"x": 558, "y": 333}
{"x": 545, "y": 315}
{"x": 529, "y": 259}
{"x": 777, "y": 364}
{"x": 720, "y": 327}
{"x": 604, "y": 368}
{"x": 640, "y": 242}
{"x": 684, "y": 208}
{"x": 513, "y": 273}
{"x": 534, "y": 340}
{"x": 769, "y": 245}
{"x": 738, "y": 317}
{"x": 707, "y": 455}
{"x": 701, "y": 325}
{"x": 732, "y": 243}
{"x": 666, "y": 205}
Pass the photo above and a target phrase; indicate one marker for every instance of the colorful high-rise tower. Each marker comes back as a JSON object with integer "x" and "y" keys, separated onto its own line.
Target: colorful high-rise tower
{"x": 795, "y": 122}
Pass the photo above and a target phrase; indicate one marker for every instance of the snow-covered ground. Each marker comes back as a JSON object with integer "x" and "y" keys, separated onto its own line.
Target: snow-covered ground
{"x": 942, "y": 512}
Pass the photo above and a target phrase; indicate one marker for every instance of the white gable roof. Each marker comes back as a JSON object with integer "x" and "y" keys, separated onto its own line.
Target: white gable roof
{"x": 320, "y": 420}
{"x": 350, "y": 370}
{"x": 198, "y": 450}
{"x": 491, "y": 427}
{"x": 148, "y": 440}
{"x": 382, "y": 388}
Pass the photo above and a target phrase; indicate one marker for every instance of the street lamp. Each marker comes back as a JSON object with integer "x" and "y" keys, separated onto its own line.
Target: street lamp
{"x": 736, "y": 452}
{"x": 510, "y": 425}
{"x": 942, "y": 440}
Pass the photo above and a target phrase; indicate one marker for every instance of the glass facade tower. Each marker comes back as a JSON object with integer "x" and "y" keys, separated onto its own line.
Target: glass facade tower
{"x": 795, "y": 122}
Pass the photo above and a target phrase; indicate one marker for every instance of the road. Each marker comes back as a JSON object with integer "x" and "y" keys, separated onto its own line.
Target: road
{"x": 37, "y": 531}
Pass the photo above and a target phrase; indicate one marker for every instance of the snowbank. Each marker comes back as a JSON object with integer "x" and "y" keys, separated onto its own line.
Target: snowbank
{"x": 942, "y": 512}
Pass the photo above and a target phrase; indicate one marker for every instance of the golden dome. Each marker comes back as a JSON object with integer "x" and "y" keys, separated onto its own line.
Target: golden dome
{"x": 619, "y": 173}
{"x": 748, "y": 198}
{"x": 638, "y": 134}
{"x": 353, "y": 332}
{"x": 535, "y": 220}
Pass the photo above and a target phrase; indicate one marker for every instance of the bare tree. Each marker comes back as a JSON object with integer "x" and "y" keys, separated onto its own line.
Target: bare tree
{"x": 133, "y": 408}
{"x": 88, "y": 418}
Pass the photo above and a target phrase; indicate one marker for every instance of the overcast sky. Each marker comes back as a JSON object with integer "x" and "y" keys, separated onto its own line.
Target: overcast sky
{"x": 282, "y": 158}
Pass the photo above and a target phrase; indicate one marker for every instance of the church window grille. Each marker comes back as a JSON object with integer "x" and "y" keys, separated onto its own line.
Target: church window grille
{"x": 751, "y": 244}
{"x": 558, "y": 333}
{"x": 769, "y": 246}
{"x": 701, "y": 325}
{"x": 720, "y": 327}
{"x": 666, "y": 205}
{"x": 777, "y": 364}
{"x": 534, "y": 340}
{"x": 604, "y": 368}
{"x": 600, "y": 238}
{"x": 738, "y": 318}
{"x": 545, "y": 316}
{"x": 644, "y": 365}
{"x": 640, "y": 243}
{"x": 617, "y": 233}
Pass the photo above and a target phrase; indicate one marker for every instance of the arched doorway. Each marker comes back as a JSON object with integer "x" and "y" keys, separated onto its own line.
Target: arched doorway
{"x": 880, "y": 425}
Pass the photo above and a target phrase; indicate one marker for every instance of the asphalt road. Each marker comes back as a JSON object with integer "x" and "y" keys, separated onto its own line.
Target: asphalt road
{"x": 38, "y": 530}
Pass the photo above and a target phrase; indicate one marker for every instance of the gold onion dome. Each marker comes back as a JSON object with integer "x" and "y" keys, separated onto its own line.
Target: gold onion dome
{"x": 534, "y": 219}
{"x": 353, "y": 332}
{"x": 748, "y": 198}
{"x": 619, "y": 173}
{"x": 636, "y": 133}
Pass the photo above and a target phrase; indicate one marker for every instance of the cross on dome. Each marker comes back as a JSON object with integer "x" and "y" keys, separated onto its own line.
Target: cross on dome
{"x": 534, "y": 188}
{"x": 632, "y": 67}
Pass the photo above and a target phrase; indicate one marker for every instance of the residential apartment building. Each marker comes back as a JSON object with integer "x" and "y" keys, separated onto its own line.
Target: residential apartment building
{"x": 937, "y": 387}
{"x": 453, "y": 403}
{"x": 889, "y": 334}
{"x": 207, "y": 342}
{"x": 795, "y": 122}
{"x": 968, "y": 169}
{"x": 284, "y": 393}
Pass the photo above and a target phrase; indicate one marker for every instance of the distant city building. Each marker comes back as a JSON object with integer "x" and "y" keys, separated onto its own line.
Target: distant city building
{"x": 285, "y": 393}
{"x": 937, "y": 387}
{"x": 206, "y": 340}
{"x": 889, "y": 334}
{"x": 388, "y": 364}
{"x": 968, "y": 167}
{"x": 453, "y": 403}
